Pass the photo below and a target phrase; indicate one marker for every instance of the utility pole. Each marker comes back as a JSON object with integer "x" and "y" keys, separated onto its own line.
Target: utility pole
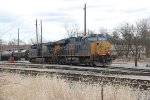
{"x": 41, "y": 39}
{"x": 38, "y": 52}
{"x": 136, "y": 51}
{"x": 36, "y": 32}
{"x": 18, "y": 46}
{"x": 84, "y": 20}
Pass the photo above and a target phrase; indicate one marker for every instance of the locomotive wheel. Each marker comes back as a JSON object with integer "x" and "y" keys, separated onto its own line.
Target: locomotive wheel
{"x": 50, "y": 62}
{"x": 63, "y": 62}
{"x": 60, "y": 62}
{"x": 91, "y": 64}
{"x": 87, "y": 62}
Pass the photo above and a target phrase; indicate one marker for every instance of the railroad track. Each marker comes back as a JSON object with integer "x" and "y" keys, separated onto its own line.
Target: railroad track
{"x": 103, "y": 70}
{"x": 136, "y": 77}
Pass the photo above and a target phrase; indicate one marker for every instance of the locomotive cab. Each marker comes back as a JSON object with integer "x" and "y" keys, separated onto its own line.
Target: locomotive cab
{"x": 99, "y": 45}
{"x": 100, "y": 50}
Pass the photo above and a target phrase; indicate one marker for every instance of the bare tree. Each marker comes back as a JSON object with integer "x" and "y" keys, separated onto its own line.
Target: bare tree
{"x": 33, "y": 41}
{"x": 117, "y": 42}
{"x": 89, "y": 32}
{"x": 142, "y": 28}
{"x": 73, "y": 30}
{"x": 1, "y": 46}
{"x": 13, "y": 44}
{"x": 103, "y": 31}
{"x": 127, "y": 32}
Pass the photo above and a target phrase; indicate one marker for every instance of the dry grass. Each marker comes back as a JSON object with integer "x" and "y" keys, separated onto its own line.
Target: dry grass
{"x": 18, "y": 87}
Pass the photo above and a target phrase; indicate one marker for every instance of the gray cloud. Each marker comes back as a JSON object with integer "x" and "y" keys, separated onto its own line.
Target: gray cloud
{"x": 59, "y": 19}
{"x": 129, "y": 10}
{"x": 6, "y": 17}
{"x": 100, "y": 6}
{"x": 136, "y": 10}
{"x": 71, "y": 8}
{"x": 108, "y": 18}
{"x": 80, "y": 7}
{"x": 49, "y": 14}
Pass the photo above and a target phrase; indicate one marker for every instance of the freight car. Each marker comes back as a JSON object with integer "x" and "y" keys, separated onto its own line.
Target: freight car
{"x": 23, "y": 54}
{"x": 5, "y": 55}
{"x": 90, "y": 50}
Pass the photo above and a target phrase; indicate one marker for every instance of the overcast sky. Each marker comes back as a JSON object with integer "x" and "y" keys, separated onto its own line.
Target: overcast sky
{"x": 55, "y": 14}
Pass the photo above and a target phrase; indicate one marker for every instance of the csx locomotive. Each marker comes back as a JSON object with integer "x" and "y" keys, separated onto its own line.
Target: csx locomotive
{"x": 92, "y": 50}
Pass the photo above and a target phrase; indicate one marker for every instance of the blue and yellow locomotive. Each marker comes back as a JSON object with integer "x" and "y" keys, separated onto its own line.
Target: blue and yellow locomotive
{"x": 91, "y": 50}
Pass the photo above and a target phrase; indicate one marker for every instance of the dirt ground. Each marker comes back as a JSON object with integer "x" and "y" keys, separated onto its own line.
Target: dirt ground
{"x": 131, "y": 63}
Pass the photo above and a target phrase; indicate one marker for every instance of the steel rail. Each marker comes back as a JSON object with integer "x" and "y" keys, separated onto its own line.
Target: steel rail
{"x": 73, "y": 73}
{"x": 104, "y": 70}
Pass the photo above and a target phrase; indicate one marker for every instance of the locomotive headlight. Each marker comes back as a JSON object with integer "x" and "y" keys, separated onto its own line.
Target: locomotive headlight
{"x": 109, "y": 53}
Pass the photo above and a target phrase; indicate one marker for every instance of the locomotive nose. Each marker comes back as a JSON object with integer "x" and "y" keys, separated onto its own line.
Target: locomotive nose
{"x": 102, "y": 48}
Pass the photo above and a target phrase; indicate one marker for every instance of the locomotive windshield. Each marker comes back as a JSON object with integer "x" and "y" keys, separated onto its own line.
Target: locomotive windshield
{"x": 96, "y": 37}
